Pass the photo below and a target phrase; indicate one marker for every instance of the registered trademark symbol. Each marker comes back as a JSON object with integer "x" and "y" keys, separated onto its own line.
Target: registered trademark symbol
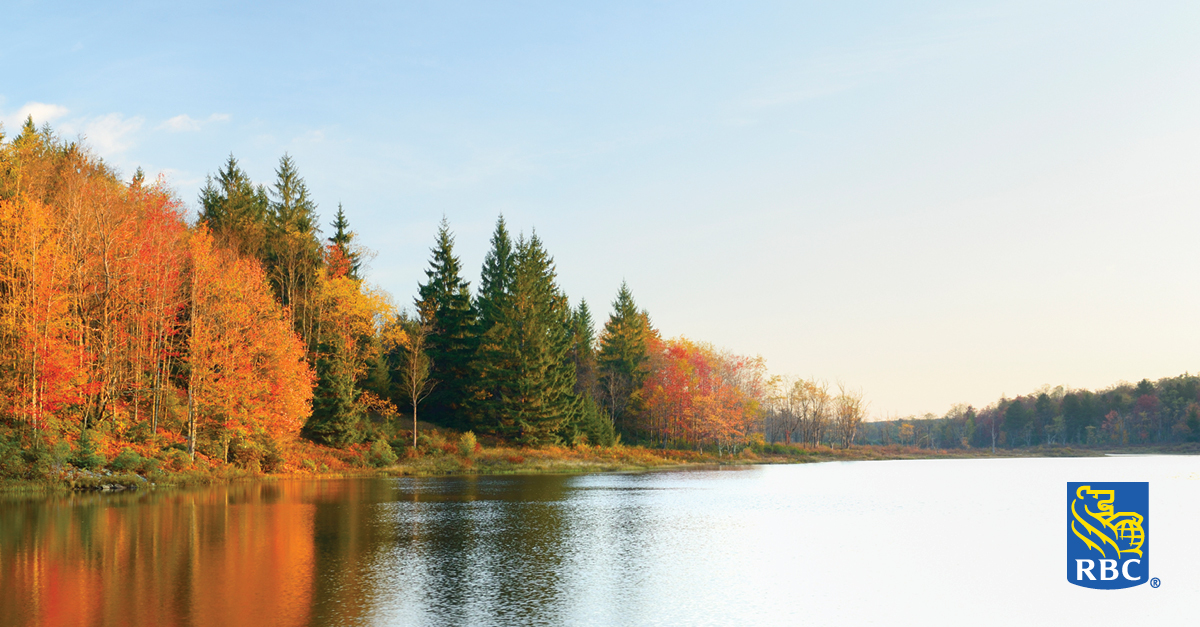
{"x": 1154, "y": 583}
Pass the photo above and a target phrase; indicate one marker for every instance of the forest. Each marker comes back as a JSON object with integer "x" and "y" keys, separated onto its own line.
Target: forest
{"x": 249, "y": 338}
{"x": 129, "y": 333}
{"x": 1166, "y": 412}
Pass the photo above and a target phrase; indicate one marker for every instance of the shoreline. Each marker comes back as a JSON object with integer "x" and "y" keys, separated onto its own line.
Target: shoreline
{"x": 544, "y": 460}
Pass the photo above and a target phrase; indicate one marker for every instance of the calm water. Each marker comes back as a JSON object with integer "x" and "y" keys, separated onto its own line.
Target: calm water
{"x": 935, "y": 542}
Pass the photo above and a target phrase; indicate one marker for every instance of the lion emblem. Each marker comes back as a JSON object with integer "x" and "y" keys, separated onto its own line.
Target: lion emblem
{"x": 1119, "y": 531}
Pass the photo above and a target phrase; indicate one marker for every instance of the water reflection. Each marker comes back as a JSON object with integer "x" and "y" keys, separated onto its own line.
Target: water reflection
{"x": 827, "y": 543}
{"x": 161, "y": 557}
{"x": 286, "y": 553}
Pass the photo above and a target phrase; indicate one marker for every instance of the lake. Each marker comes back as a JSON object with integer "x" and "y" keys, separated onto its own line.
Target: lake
{"x": 932, "y": 542}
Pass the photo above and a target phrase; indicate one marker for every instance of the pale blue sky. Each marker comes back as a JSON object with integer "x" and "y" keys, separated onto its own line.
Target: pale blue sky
{"x": 937, "y": 202}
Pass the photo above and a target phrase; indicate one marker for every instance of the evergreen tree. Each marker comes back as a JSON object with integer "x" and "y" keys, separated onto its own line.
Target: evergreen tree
{"x": 1017, "y": 421}
{"x": 235, "y": 210}
{"x": 593, "y": 423}
{"x": 291, "y": 208}
{"x": 528, "y": 351}
{"x": 336, "y": 415}
{"x": 583, "y": 351}
{"x": 496, "y": 278}
{"x": 623, "y": 358}
{"x": 293, "y": 252}
{"x": 342, "y": 238}
{"x": 491, "y": 366}
{"x": 445, "y": 302}
{"x": 1043, "y": 412}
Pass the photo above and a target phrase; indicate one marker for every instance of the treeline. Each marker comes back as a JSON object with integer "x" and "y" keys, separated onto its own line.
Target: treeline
{"x": 808, "y": 413}
{"x": 119, "y": 320}
{"x": 124, "y": 326}
{"x": 516, "y": 360}
{"x": 1162, "y": 412}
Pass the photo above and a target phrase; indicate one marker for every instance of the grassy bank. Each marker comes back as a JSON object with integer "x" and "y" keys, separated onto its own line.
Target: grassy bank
{"x": 452, "y": 454}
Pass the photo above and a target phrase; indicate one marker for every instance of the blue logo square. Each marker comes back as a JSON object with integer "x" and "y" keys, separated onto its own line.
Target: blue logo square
{"x": 1108, "y": 534}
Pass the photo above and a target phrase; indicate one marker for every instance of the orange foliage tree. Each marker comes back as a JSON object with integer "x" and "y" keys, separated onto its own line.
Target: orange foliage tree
{"x": 698, "y": 395}
{"x": 112, "y": 310}
{"x": 247, "y": 376}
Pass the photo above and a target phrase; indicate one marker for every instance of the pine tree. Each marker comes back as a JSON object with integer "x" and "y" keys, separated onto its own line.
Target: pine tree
{"x": 530, "y": 345}
{"x": 496, "y": 278}
{"x": 235, "y": 210}
{"x": 583, "y": 350}
{"x": 445, "y": 303}
{"x": 293, "y": 252}
{"x": 342, "y": 239}
{"x": 622, "y": 361}
{"x": 292, "y": 209}
{"x": 336, "y": 415}
{"x": 491, "y": 366}
{"x": 593, "y": 425}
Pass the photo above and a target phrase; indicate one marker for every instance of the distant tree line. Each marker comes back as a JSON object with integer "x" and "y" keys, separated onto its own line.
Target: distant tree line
{"x": 808, "y": 413}
{"x": 1162, "y": 412}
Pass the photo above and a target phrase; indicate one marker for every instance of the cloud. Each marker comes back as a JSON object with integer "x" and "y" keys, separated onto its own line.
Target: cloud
{"x": 109, "y": 134}
{"x": 185, "y": 123}
{"x": 41, "y": 112}
{"x": 181, "y": 122}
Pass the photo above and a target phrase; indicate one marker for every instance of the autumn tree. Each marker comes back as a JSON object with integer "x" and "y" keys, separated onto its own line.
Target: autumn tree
{"x": 697, "y": 395}
{"x": 246, "y": 373}
{"x": 784, "y": 406}
{"x": 413, "y": 367}
{"x": 849, "y": 410}
{"x": 41, "y": 350}
{"x": 813, "y": 406}
{"x": 350, "y": 318}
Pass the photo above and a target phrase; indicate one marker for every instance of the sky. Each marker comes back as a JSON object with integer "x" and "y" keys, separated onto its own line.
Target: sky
{"x": 933, "y": 202}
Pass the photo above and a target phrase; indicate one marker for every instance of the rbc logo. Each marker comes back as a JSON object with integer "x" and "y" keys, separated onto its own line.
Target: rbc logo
{"x": 1108, "y": 534}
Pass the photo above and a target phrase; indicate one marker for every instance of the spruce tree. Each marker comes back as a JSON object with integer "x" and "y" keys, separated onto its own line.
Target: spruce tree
{"x": 530, "y": 343}
{"x": 623, "y": 359}
{"x": 292, "y": 209}
{"x": 593, "y": 425}
{"x": 444, "y": 301}
{"x": 491, "y": 366}
{"x": 583, "y": 350}
{"x": 336, "y": 417}
{"x": 235, "y": 210}
{"x": 293, "y": 251}
{"x": 496, "y": 278}
{"x": 342, "y": 238}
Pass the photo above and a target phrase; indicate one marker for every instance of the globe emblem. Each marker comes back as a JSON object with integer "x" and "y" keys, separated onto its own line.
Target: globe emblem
{"x": 1103, "y": 529}
{"x": 1130, "y": 533}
